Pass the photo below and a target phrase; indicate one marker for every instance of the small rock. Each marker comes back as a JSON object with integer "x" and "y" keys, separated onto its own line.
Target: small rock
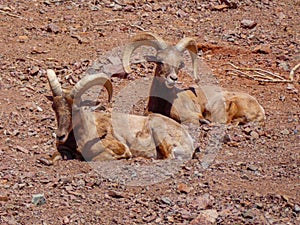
{"x": 34, "y": 70}
{"x": 244, "y": 177}
{"x": 282, "y": 98}
{"x": 38, "y": 199}
{"x": 247, "y": 130}
{"x": 254, "y": 134}
{"x": 180, "y": 13}
{"x": 249, "y": 24}
{"x": 248, "y": 214}
{"x": 22, "y": 149}
{"x": 297, "y": 208}
{"x": 115, "y": 194}
{"x": 285, "y": 198}
{"x": 183, "y": 188}
{"x": 285, "y": 132}
{"x": 227, "y": 138}
{"x": 284, "y": 66}
{"x": 202, "y": 202}
{"x": 264, "y": 49}
{"x": 220, "y": 7}
{"x": 166, "y": 200}
{"x": 206, "y": 217}
{"x": 53, "y": 28}
{"x": 290, "y": 87}
{"x": 259, "y": 205}
{"x": 23, "y": 38}
{"x": 3, "y": 198}
{"x": 66, "y": 220}
{"x": 98, "y": 213}
{"x": 252, "y": 168}
{"x": 117, "y": 8}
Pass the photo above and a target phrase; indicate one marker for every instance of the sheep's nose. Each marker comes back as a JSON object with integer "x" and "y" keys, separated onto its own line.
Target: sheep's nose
{"x": 61, "y": 138}
{"x": 173, "y": 77}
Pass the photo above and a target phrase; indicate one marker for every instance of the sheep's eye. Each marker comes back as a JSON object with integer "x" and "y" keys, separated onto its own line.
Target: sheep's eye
{"x": 181, "y": 65}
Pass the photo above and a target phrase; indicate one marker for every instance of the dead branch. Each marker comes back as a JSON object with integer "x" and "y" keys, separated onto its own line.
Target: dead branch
{"x": 261, "y": 75}
{"x": 292, "y": 73}
{"x": 10, "y": 14}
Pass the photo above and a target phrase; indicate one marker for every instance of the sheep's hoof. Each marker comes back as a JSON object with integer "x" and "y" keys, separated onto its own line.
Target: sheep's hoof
{"x": 204, "y": 121}
{"x": 45, "y": 161}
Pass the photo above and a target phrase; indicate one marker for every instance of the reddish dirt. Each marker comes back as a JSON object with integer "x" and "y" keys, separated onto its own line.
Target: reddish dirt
{"x": 255, "y": 177}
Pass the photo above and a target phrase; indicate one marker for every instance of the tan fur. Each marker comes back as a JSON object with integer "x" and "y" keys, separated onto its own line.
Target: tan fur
{"x": 190, "y": 105}
{"x": 236, "y": 108}
{"x": 99, "y": 136}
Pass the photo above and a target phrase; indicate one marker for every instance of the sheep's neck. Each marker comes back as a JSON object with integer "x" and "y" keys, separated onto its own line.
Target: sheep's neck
{"x": 161, "y": 97}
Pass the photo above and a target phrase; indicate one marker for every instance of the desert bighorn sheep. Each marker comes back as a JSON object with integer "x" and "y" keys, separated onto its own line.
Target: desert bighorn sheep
{"x": 190, "y": 104}
{"x": 234, "y": 107}
{"x": 99, "y": 136}
{"x": 183, "y": 105}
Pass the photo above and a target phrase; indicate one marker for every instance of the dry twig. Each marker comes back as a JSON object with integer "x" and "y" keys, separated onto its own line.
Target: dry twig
{"x": 292, "y": 73}
{"x": 261, "y": 75}
{"x": 10, "y": 14}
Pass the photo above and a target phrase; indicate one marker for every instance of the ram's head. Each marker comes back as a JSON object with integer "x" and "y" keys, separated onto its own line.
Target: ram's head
{"x": 64, "y": 101}
{"x": 168, "y": 58}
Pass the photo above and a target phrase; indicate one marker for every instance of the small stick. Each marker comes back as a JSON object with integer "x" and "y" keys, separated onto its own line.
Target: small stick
{"x": 256, "y": 69}
{"x": 262, "y": 75}
{"x": 10, "y": 14}
{"x": 138, "y": 27}
{"x": 292, "y": 73}
{"x": 242, "y": 74}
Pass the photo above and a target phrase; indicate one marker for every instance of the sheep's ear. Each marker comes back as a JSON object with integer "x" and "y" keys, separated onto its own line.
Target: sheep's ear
{"x": 151, "y": 58}
{"x": 49, "y": 97}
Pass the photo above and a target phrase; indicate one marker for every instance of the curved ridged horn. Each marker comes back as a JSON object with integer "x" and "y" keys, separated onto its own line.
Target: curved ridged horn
{"x": 148, "y": 39}
{"x": 54, "y": 83}
{"x": 90, "y": 81}
{"x": 189, "y": 44}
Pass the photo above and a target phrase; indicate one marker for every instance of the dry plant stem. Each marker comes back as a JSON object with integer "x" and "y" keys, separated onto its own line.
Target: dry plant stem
{"x": 292, "y": 73}
{"x": 241, "y": 74}
{"x": 256, "y": 70}
{"x": 138, "y": 27}
{"x": 10, "y": 14}
{"x": 262, "y": 75}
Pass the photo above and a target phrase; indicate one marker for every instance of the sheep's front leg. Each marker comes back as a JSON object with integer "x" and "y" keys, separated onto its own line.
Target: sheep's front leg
{"x": 195, "y": 118}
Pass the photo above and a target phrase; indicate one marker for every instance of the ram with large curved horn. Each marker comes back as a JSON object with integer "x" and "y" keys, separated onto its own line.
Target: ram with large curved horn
{"x": 95, "y": 135}
{"x": 183, "y": 105}
{"x": 189, "y": 105}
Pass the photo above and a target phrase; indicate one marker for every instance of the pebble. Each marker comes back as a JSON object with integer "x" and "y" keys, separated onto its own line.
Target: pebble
{"x": 53, "y": 28}
{"x": 254, "y": 134}
{"x": 38, "y": 199}
{"x": 202, "y": 202}
{"x": 252, "y": 168}
{"x": 284, "y": 66}
{"x": 115, "y": 194}
{"x": 34, "y": 70}
{"x": 285, "y": 132}
{"x": 249, "y": 24}
{"x": 208, "y": 216}
{"x": 248, "y": 214}
{"x": 98, "y": 213}
{"x": 297, "y": 208}
{"x": 264, "y": 49}
{"x": 183, "y": 188}
{"x": 290, "y": 87}
{"x": 166, "y": 200}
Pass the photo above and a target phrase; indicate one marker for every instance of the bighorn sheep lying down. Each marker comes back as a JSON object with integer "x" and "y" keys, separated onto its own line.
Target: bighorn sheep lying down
{"x": 183, "y": 105}
{"x": 234, "y": 107}
{"x": 99, "y": 136}
{"x": 190, "y": 105}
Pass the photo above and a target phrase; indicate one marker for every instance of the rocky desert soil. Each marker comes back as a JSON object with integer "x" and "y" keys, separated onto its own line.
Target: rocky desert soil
{"x": 253, "y": 178}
